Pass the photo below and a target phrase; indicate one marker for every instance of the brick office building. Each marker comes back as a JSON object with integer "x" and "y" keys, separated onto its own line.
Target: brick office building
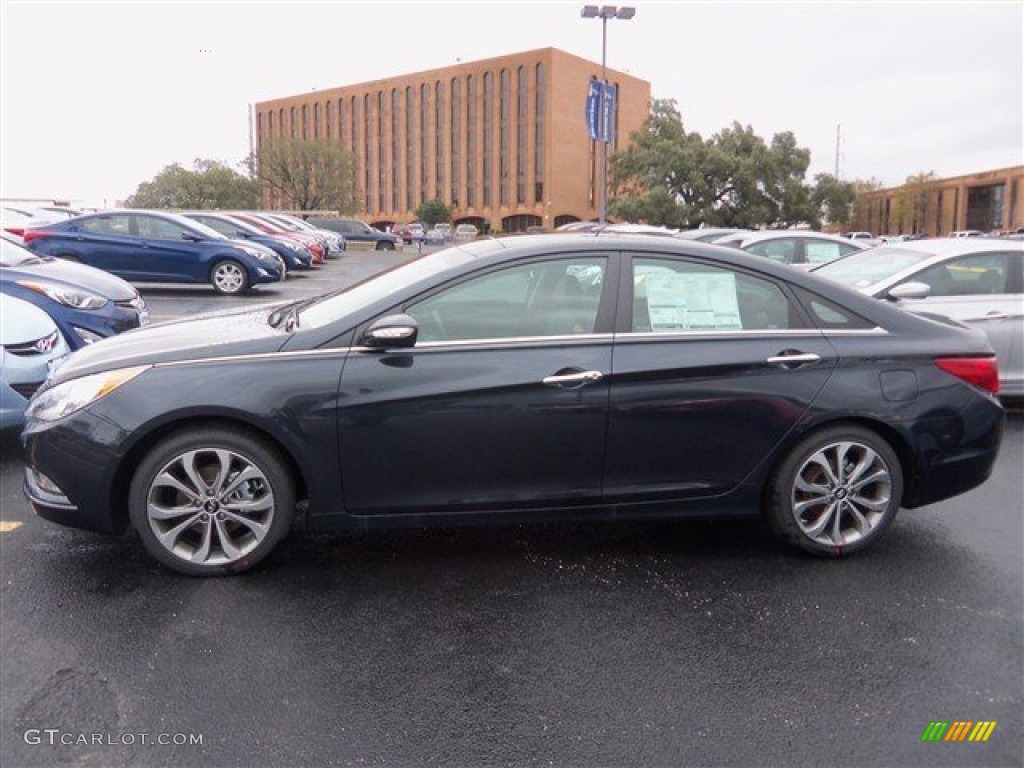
{"x": 503, "y": 142}
{"x": 986, "y": 201}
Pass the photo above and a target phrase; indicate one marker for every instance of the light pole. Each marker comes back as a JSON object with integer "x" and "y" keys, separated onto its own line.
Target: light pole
{"x": 604, "y": 13}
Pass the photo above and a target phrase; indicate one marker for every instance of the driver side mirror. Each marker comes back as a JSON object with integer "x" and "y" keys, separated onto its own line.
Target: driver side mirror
{"x": 391, "y": 332}
{"x": 191, "y": 237}
{"x": 909, "y": 291}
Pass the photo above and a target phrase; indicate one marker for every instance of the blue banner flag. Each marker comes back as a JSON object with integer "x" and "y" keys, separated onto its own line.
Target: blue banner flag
{"x": 593, "y": 112}
{"x": 608, "y": 110}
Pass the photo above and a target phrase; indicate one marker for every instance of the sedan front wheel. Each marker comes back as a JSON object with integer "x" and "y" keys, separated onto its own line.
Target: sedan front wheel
{"x": 229, "y": 277}
{"x": 836, "y": 491}
{"x": 209, "y": 502}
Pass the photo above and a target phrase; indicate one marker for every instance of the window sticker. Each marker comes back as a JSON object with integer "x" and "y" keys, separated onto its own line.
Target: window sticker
{"x": 694, "y": 301}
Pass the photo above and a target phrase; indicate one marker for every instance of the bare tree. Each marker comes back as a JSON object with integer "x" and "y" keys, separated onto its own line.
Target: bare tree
{"x": 308, "y": 175}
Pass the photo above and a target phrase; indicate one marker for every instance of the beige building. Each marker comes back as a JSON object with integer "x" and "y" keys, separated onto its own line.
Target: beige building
{"x": 987, "y": 202}
{"x": 503, "y": 142}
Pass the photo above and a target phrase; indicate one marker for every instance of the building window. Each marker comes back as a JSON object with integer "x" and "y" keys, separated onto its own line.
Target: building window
{"x": 488, "y": 135}
{"x": 470, "y": 141}
{"x": 330, "y": 119}
{"x": 270, "y": 132}
{"x": 504, "y": 128}
{"x": 316, "y": 120}
{"x": 439, "y": 133}
{"x": 305, "y": 122}
{"x": 1011, "y": 217}
{"x": 539, "y": 137}
{"x": 396, "y": 150}
{"x": 341, "y": 122}
{"x": 410, "y": 144}
{"x": 293, "y": 122}
{"x": 456, "y": 134}
{"x": 367, "y": 152}
{"x": 938, "y": 213}
{"x": 424, "y": 142}
{"x": 382, "y": 148}
{"x": 521, "y": 109}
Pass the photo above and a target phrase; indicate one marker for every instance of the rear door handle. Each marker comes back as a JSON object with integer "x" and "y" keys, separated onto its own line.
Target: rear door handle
{"x": 573, "y": 380}
{"x": 793, "y": 359}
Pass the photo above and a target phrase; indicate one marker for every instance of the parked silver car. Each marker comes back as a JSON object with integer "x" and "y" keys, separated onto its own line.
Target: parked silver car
{"x": 975, "y": 280}
{"x": 29, "y": 341}
{"x": 797, "y": 247}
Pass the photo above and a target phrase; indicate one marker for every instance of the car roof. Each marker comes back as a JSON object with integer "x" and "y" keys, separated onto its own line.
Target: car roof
{"x": 955, "y": 246}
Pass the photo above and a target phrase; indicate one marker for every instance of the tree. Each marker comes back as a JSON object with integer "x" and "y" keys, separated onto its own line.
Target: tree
{"x": 210, "y": 184}
{"x": 675, "y": 178}
{"x": 434, "y": 212}
{"x": 834, "y": 198}
{"x": 911, "y": 201}
{"x": 309, "y": 175}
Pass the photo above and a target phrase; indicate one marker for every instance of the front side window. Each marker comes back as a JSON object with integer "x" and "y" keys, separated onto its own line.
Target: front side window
{"x": 159, "y": 229}
{"x": 977, "y": 275}
{"x": 677, "y": 296}
{"x": 547, "y": 298}
{"x": 821, "y": 251}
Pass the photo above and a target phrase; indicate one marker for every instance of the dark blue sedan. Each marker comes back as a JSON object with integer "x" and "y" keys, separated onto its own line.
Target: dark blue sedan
{"x": 529, "y": 378}
{"x": 295, "y": 255}
{"x": 146, "y": 246}
{"x": 87, "y": 304}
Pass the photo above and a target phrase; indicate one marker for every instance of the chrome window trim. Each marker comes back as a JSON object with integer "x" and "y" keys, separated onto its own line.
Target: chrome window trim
{"x": 504, "y": 341}
{"x": 325, "y": 352}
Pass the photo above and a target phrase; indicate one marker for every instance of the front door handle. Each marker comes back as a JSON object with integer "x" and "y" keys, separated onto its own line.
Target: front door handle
{"x": 793, "y": 359}
{"x": 573, "y": 380}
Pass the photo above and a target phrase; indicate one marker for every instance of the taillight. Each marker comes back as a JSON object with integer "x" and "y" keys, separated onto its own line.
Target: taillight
{"x": 32, "y": 234}
{"x": 982, "y": 372}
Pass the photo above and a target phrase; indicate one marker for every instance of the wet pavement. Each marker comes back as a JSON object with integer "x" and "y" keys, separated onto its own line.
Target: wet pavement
{"x": 655, "y": 644}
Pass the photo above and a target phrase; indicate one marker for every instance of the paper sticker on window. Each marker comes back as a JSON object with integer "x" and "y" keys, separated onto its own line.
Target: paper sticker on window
{"x": 693, "y": 301}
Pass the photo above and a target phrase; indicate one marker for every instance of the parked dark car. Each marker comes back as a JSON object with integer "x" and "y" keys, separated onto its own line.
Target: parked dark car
{"x": 358, "y": 234}
{"x": 147, "y": 246}
{"x": 294, "y": 254}
{"x": 86, "y": 303}
{"x": 513, "y": 379}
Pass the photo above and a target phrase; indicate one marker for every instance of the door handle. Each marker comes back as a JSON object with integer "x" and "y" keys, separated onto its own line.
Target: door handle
{"x": 572, "y": 380}
{"x": 793, "y": 359}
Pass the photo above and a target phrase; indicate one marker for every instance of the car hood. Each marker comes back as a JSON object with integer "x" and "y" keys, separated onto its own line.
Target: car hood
{"x": 73, "y": 275}
{"x": 22, "y": 322}
{"x": 218, "y": 334}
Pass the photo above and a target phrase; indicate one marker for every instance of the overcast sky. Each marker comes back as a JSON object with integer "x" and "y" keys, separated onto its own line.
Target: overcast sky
{"x": 98, "y": 97}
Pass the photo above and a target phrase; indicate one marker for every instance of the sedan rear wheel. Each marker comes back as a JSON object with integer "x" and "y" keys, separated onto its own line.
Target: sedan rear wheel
{"x": 209, "y": 502}
{"x": 229, "y": 277}
{"x": 836, "y": 491}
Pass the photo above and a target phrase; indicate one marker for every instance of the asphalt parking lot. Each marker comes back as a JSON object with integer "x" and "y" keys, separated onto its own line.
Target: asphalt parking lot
{"x": 613, "y": 644}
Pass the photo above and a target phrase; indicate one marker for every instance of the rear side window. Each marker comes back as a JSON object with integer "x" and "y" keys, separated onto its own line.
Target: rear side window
{"x": 114, "y": 224}
{"x": 678, "y": 296}
{"x": 783, "y": 250}
{"x": 829, "y": 315}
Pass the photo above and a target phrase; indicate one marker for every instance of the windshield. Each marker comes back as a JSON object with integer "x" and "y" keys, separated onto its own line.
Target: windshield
{"x": 11, "y": 255}
{"x": 382, "y": 285}
{"x": 859, "y": 270}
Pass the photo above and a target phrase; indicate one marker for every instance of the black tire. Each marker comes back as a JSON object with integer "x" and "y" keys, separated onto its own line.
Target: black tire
{"x": 384, "y": 245}
{"x": 228, "y": 277}
{"x": 200, "y": 534}
{"x": 836, "y": 491}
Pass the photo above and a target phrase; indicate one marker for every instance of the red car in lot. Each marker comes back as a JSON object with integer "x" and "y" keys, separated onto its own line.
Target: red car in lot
{"x": 316, "y": 247}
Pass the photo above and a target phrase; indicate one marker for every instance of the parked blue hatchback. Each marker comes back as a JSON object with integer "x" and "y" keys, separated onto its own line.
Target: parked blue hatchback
{"x": 86, "y": 303}
{"x": 147, "y": 246}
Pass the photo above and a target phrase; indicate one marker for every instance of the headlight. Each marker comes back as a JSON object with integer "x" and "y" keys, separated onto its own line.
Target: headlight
{"x": 57, "y": 402}
{"x": 257, "y": 253}
{"x": 69, "y": 297}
